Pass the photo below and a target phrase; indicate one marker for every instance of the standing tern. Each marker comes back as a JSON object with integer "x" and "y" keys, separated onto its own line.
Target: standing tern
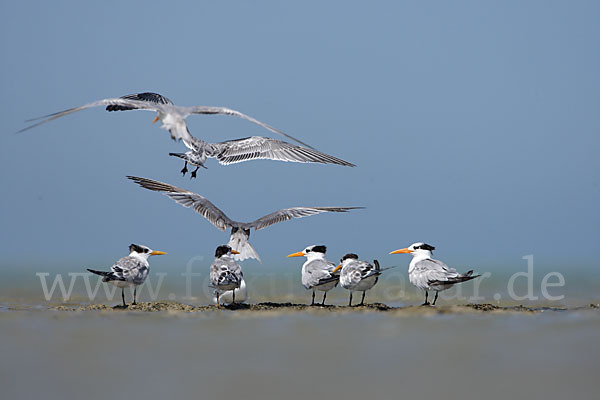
{"x": 171, "y": 116}
{"x": 129, "y": 271}
{"x": 358, "y": 276}
{"x": 317, "y": 272}
{"x": 429, "y": 274}
{"x": 240, "y": 231}
{"x": 250, "y": 148}
{"x": 225, "y": 272}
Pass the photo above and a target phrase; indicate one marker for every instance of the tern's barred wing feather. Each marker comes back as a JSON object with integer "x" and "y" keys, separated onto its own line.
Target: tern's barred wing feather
{"x": 188, "y": 199}
{"x": 146, "y": 96}
{"x": 228, "y": 111}
{"x": 294, "y": 212}
{"x": 257, "y": 147}
{"x": 130, "y": 269}
{"x": 225, "y": 272}
{"x": 122, "y": 102}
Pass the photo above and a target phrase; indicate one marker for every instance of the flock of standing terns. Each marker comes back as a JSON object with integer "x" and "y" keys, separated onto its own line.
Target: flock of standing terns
{"x": 226, "y": 278}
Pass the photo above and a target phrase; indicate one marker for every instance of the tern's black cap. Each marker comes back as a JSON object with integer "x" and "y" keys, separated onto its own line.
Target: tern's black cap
{"x": 222, "y": 250}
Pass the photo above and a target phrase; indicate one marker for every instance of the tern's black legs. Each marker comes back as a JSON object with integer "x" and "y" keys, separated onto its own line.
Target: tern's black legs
{"x": 324, "y": 296}
{"x": 194, "y": 172}
{"x": 233, "y": 292}
{"x": 184, "y": 170}
{"x": 134, "y": 296}
{"x": 350, "y": 301}
{"x": 313, "y": 299}
{"x": 218, "y": 305}
{"x": 426, "y": 302}
{"x": 123, "y": 297}
{"x": 362, "y": 301}
{"x": 435, "y": 299}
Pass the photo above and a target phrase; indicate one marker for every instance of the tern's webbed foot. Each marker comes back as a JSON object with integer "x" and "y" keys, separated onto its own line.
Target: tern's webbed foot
{"x": 184, "y": 170}
{"x": 194, "y": 172}
{"x": 120, "y": 307}
{"x": 426, "y": 304}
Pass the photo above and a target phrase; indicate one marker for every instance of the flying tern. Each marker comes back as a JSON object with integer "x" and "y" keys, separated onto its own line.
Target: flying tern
{"x": 240, "y": 231}
{"x": 172, "y": 117}
{"x": 250, "y": 148}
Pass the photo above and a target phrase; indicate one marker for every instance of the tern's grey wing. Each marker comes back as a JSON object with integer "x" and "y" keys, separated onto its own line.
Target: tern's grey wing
{"x": 188, "y": 199}
{"x": 429, "y": 270}
{"x": 258, "y": 147}
{"x": 146, "y": 96}
{"x": 318, "y": 272}
{"x": 122, "y": 102}
{"x": 227, "y": 111}
{"x": 294, "y": 212}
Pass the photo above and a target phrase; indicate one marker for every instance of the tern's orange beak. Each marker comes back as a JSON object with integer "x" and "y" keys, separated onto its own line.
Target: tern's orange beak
{"x": 297, "y": 254}
{"x": 155, "y": 119}
{"x": 401, "y": 251}
{"x": 336, "y": 268}
{"x": 235, "y": 252}
{"x": 157, "y": 253}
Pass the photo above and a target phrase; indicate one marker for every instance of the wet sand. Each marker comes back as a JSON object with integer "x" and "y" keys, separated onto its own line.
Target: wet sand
{"x": 283, "y": 308}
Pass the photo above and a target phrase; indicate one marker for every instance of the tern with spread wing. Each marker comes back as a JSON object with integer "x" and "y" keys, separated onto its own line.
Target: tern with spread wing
{"x": 317, "y": 273}
{"x": 250, "y": 148}
{"x": 429, "y": 274}
{"x": 240, "y": 231}
{"x": 172, "y": 117}
{"x": 130, "y": 271}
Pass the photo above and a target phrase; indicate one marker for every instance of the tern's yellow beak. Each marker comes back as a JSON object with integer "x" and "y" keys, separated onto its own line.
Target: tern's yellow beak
{"x": 235, "y": 252}
{"x": 401, "y": 251}
{"x": 336, "y": 268}
{"x": 297, "y": 254}
{"x": 155, "y": 119}
{"x": 157, "y": 253}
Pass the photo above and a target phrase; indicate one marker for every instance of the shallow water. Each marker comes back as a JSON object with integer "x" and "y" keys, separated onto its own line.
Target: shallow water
{"x": 99, "y": 355}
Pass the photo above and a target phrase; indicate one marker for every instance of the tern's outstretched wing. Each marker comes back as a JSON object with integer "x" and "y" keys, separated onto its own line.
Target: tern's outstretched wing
{"x": 146, "y": 96}
{"x": 295, "y": 212}
{"x": 228, "y": 111}
{"x": 188, "y": 199}
{"x": 258, "y": 147}
{"x": 129, "y": 102}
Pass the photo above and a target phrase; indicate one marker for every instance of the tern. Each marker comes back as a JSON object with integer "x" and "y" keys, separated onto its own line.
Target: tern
{"x": 429, "y": 274}
{"x": 129, "y": 271}
{"x": 250, "y": 148}
{"x": 317, "y": 272}
{"x": 171, "y": 116}
{"x": 225, "y": 272}
{"x": 358, "y": 276}
{"x": 240, "y": 231}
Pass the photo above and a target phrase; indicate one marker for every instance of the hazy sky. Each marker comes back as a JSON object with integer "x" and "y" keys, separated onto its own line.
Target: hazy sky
{"x": 474, "y": 125}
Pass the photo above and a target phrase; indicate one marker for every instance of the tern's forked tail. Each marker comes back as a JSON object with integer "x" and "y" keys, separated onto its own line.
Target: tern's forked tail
{"x": 241, "y": 244}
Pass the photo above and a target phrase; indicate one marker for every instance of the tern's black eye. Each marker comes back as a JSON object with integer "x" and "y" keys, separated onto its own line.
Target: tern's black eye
{"x": 308, "y": 250}
{"x": 145, "y": 250}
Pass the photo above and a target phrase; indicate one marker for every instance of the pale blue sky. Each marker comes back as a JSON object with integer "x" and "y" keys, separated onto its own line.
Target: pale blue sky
{"x": 474, "y": 125}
